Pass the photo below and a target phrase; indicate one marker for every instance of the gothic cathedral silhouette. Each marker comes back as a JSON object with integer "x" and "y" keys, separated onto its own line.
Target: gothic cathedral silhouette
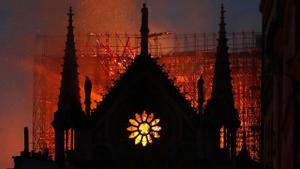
{"x": 144, "y": 121}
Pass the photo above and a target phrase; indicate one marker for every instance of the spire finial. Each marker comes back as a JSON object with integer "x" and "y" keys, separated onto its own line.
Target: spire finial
{"x": 70, "y": 10}
{"x": 222, "y": 14}
{"x": 145, "y": 2}
{"x": 70, "y": 14}
{"x": 144, "y": 30}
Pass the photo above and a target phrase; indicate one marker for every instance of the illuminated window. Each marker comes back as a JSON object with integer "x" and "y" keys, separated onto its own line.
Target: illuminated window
{"x": 143, "y": 128}
{"x": 222, "y": 134}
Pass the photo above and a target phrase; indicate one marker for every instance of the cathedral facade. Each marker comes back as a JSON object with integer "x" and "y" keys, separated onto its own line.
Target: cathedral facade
{"x": 144, "y": 121}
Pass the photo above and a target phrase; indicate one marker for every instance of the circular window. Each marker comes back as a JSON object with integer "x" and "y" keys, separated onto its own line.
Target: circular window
{"x": 143, "y": 128}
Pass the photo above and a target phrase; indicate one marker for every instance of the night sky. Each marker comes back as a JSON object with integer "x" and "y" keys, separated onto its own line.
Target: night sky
{"x": 21, "y": 21}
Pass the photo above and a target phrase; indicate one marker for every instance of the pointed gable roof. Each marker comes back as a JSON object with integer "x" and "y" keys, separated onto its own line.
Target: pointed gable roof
{"x": 144, "y": 74}
{"x": 144, "y": 69}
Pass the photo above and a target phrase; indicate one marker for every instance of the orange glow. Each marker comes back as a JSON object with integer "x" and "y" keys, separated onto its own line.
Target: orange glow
{"x": 183, "y": 67}
{"x": 142, "y": 131}
{"x": 222, "y": 133}
{"x": 144, "y": 128}
{"x": 94, "y": 14}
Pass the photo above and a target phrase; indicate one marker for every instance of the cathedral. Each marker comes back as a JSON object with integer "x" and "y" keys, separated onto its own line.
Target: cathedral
{"x": 144, "y": 121}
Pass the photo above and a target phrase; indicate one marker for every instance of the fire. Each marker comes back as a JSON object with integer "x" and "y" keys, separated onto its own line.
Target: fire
{"x": 182, "y": 66}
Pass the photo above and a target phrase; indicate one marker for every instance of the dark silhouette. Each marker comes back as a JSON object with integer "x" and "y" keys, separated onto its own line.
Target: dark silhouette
{"x": 69, "y": 115}
{"x": 220, "y": 111}
{"x": 33, "y": 160}
{"x": 87, "y": 91}
{"x": 200, "y": 94}
{"x": 184, "y": 139}
{"x": 281, "y": 84}
{"x": 26, "y": 142}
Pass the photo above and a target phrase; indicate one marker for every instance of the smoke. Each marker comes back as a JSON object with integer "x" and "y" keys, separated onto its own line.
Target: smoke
{"x": 19, "y": 22}
{"x": 165, "y": 15}
{"x": 107, "y": 16}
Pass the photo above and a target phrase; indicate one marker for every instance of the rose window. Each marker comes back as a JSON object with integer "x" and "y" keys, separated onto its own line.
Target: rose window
{"x": 144, "y": 128}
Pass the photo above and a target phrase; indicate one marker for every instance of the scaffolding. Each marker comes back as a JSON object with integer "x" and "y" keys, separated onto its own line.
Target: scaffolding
{"x": 104, "y": 57}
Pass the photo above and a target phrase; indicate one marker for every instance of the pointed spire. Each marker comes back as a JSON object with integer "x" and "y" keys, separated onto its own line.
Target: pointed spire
{"x": 70, "y": 44}
{"x": 70, "y": 14}
{"x": 222, "y": 88}
{"x": 69, "y": 105}
{"x": 144, "y": 31}
{"x": 222, "y": 41}
{"x": 220, "y": 109}
{"x": 69, "y": 115}
{"x": 222, "y": 10}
